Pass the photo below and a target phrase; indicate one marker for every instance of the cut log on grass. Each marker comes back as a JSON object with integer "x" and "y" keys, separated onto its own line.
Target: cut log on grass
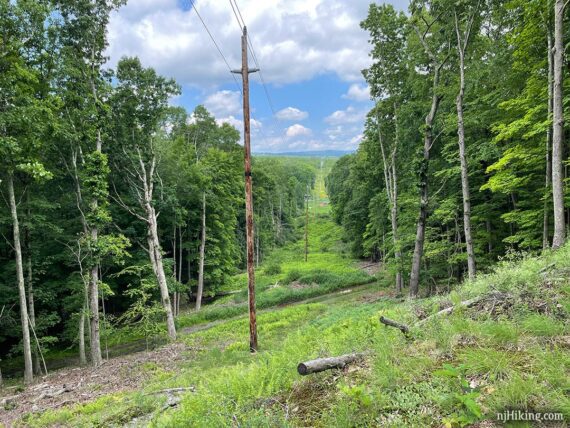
{"x": 547, "y": 268}
{"x": 466, "y": 304}
{"x": 172, "y": 391}
{"x": 495, "y": 296}
{"x": 322, "y": 364}
{"x": 391, "y": 323}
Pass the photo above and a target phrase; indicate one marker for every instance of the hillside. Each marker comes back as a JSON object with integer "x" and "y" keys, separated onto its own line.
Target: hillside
{"x": 509, "y": 351}
{"x": 332, "y": 214}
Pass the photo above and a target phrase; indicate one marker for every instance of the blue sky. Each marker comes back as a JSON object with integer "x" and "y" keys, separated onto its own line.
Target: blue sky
{"x": 310, "y": 52}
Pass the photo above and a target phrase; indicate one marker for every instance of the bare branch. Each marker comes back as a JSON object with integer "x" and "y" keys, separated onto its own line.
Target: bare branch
{"x": 425, "y": 45}
{"x": 145, "y": 248}
{"x": 470, "y": 26}
{"x": 435, "y": 139}
{"x": 11, "y": 307}
{"x": 120, "y": 201}
{"x": 8, "y": 242}
{"x": 78, "y": 195}
{"x": 386, "y": 166}
{"x": 440, "y": 189}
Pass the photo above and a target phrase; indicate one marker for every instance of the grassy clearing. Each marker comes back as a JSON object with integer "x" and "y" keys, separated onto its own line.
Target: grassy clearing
{"x": 455, "y": 370}
{"x": 285, "y": 277}
{"x": 515, "y": 359}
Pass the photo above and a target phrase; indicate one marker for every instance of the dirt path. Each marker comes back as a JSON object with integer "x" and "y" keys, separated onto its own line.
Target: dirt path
{"x": 82, "y": 384}
{"x": 74, "y": 385}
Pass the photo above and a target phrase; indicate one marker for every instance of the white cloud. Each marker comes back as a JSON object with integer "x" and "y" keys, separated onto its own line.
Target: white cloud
{"x": 350, "y": 115}
{"x": 291, "y": 113}
{"x": 297, "y": 130}
{"x": 231, "y": 120}
{"x": 358, "y": 92}
{"x": 294, "y": 40}
{"x": 223, "y": 103}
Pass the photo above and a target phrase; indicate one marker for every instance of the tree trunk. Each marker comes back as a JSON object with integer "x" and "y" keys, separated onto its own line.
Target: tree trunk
{"x": 31, "y": 306}
{"x": 84, "y": 309}
{"x": 180, "y": 254}
{"x": 29, "y": 269}
{"x": 158, "y": 268}
{"x": 81, "y": 333}
{"x": 558, "y": 127}
{"x": 391, "y": 178}
{"x": 200, "y": 290}
{"x": 153, "y": 241}
{"x": 424, "y": 194}
{"x": 394, "y": 215}
{"x": 28, "y": 367}
{"x": 548, "y": 175}
{"x": 463, "y": 158}
{"x": 95, "y": 345}
{"x": 174, "y": 268}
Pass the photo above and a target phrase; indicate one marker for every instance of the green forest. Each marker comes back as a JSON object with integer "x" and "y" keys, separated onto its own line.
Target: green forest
{"x": 477, "y": 83}
{"x": 115, "y": 200}
{"x": 123, "y": 233}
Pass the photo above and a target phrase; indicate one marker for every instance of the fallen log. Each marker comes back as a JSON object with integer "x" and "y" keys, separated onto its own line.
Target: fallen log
{"x": 391, "y": 323}
{"x": 9, "y": 400}
{"x": 322, "y": 364}
{"x": 172, "y": 391}
{"x": 466, "y": 304}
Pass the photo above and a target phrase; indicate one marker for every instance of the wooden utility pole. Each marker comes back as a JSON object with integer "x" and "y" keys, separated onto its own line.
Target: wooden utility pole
{"x": 307, "y": 224}
{"x": 248, "y": 192}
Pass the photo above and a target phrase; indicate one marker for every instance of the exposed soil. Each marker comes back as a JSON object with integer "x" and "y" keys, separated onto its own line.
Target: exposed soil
{"x": 75, "y": 385}
{"x": 296, "y": 285}
{"x": 371, "y": 268}
{"x": 378, "y": 295}
{"x": 82, "y": 384}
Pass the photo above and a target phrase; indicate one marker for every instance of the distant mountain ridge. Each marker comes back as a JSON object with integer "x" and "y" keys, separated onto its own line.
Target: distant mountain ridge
{"x": 310, "y": 153}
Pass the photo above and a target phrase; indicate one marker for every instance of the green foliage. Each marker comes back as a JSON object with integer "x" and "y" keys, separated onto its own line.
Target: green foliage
{"x": 96, "y": 150}
{"x": 463, "y": 401}
{"x": 292, "y": 275}
{"x": 359, "y": 394}
{"x": 506, "y": 129}
{"x": 145, "y": 315}
{"x": 400, "y": 382}
{"x": 272, "y": 269}
{"x": 94, "y": 178}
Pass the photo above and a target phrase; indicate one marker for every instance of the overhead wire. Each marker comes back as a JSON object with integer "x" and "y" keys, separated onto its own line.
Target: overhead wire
{"x": 215, "y": 44}
{"x": 238, "y": 15}
{"x": 241, "y": 24}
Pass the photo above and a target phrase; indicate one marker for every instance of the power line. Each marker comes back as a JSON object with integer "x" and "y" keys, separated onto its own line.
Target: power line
{"x": 215, "y": 43}
{"x": 236, "y": 13}
{"x": 241, "y": 23}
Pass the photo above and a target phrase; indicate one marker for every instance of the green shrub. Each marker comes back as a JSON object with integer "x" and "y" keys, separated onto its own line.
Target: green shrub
{"x": 272, "y": 269}
{"x": 318, "y": 276}
{"x": 292, "y": 275}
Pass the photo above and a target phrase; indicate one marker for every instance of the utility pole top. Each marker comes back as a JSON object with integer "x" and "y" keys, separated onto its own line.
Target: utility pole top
{"x": 251, "y": 70}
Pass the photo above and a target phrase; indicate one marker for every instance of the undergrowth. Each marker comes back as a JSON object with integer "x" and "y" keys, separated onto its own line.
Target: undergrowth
{"x": 452, "y": 371}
